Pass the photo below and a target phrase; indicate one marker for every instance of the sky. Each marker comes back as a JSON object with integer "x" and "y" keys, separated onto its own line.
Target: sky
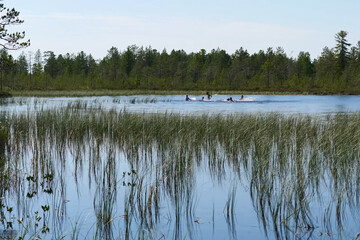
{"x": 71, "y": 26}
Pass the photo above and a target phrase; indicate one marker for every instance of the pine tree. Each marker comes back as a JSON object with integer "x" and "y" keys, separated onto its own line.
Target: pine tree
{"x": 341, "y": 49}
{"x": 10, "y": 41}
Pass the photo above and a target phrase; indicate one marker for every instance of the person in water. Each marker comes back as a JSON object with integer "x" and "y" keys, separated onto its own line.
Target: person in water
{"x": 208, "y": 95}
{"x": 187, "y": 98}
{"x": 202, "y": 99}
{"x": 241, "y": 98}
{"x": 230, "y": 99}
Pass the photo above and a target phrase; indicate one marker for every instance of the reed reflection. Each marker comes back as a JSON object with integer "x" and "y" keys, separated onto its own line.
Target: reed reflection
{"x": 294, "y": 165}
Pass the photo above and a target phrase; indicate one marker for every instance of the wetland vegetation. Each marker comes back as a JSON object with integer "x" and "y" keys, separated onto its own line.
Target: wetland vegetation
{"x": 85, "y": 172}
{"x": 140, "y": 173}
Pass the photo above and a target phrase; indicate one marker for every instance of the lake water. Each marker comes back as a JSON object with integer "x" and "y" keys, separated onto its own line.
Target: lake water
{"x": 288, "y": 104}
{"x": 221, "y": 203}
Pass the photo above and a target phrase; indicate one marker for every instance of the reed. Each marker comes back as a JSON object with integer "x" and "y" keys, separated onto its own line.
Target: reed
{"x": 4, "y": 138}
{"x": 287, "y": 160}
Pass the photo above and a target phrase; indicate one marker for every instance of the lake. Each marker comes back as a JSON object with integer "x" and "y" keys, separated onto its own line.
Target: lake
{"x": 288, "y": 104}
{"x": 276, "y": 167}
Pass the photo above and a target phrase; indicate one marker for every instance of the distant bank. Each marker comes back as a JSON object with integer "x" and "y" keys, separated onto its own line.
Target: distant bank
{"x": 105, "y": 92}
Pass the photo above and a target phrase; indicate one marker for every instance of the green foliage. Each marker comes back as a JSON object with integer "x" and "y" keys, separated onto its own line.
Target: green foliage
{"x": 336, "y": 70}
{"x": 341, "y": 49}
{"x": 11, "y": 40}
{"x": 4, "y": 94}
{"x": 4, "y": 136}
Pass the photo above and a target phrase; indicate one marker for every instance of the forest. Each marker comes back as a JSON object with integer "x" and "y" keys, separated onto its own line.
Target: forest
{"x": 335, "y": 71}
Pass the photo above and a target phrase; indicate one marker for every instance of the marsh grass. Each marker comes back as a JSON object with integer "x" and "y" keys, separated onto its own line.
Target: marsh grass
{"x": 289, "y": 161}
{"x": 135, "y": 100}
{"x": 4, "y": 137}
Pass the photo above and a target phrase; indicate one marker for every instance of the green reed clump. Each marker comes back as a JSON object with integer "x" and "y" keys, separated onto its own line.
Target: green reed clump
{"x": 269, "y": 140}
{"x": 286, "y": 159}
{"x": 234, "y": 134}
{"x": 4, "y": 137}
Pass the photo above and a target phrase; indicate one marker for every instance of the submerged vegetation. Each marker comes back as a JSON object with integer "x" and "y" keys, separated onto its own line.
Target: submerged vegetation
{"x": 290, "y": 164}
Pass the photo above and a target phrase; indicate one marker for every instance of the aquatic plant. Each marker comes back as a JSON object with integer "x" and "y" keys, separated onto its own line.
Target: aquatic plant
{"x": 4, "y": 136}
{"x": 288, "y": 161}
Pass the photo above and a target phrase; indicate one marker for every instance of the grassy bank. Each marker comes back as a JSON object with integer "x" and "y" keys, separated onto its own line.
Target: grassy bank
{"x": 5, "y": 94}
{"x": 104, "y": 92}
{"x": 84, "y": 93}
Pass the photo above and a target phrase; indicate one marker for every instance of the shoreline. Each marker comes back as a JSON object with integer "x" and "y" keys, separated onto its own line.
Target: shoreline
{"x": 105, "y": 92}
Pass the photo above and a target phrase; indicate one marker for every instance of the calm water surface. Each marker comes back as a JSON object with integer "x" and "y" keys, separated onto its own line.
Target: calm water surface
{"x": 81, "y": 191}
{"x": 288, "y": 104}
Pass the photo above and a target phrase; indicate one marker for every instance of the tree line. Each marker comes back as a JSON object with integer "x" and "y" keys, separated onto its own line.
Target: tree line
{"x": 336, "y": 70}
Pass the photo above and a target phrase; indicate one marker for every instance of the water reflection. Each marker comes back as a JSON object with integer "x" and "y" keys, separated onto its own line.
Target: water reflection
{"x": 140, "y": 174}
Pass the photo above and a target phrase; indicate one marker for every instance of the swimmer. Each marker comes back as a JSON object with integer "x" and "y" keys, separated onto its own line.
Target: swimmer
{"x": 208, "y": 95}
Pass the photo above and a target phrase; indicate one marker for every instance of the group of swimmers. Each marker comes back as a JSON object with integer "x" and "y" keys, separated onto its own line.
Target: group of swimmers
{"x": 231, "y": 100}
{"x": 209, "y": 98}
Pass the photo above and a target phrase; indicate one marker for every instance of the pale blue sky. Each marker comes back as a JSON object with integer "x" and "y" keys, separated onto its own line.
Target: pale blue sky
{"x": 95, "y": 26}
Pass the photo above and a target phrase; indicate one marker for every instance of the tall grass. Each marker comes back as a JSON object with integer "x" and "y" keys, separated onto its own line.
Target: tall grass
{"x": 4, "y": 136}
{"x": 287, "y": 160}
